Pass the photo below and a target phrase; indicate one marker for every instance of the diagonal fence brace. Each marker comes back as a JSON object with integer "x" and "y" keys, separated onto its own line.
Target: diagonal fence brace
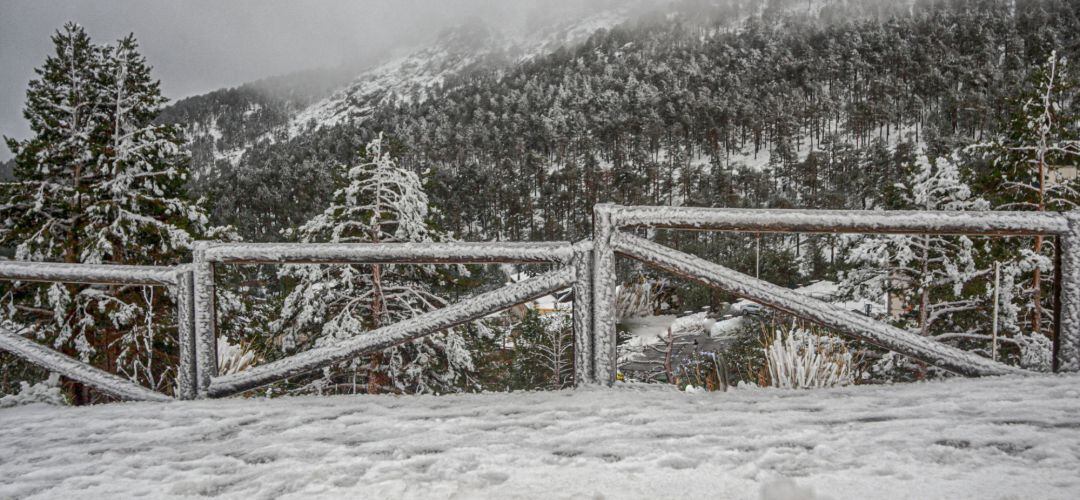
{"x": 390, "y": 335}
{"x": 826, "y": 314}
{"x": 75, "y": 369}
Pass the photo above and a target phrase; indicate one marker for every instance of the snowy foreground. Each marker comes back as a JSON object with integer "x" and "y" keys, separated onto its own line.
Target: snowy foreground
{"x": 987, "y": 438}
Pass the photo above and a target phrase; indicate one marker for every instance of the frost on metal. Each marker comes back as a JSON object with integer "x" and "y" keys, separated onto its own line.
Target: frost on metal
{"x": 604, "y": 366}
{"x": 841, "y": 221}
{"x": 204, "y": 318}
{"x": 1069, "y": 330}
{"x": 583, "y": 341}
{"x": 829, "y": 315}
{"x": 186, "y": 372}
{"x": 95, "y": 274}
{"x": 381, "y": 338}
{"x": 380, "y": 253}
{"x": 74, "y": 369}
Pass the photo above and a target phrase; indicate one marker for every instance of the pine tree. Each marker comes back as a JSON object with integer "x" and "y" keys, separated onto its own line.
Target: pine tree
{"x": 543, "y": 353}
{"x": 99, "y": 182}
{"x": 931, "y": 275}
{"x": 63, "y": 108}
{"x": 1033, "y": 167}
{"x": 380, "y": 203}
{"x": 141, "y": 212}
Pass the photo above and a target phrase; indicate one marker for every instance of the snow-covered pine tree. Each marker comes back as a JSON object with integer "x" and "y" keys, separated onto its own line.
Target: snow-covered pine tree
{"x": 543, "y": 354}
{"x": 99, "y": 182}
{"x": 1034, "y": 167}
{"x": 143, "y": 169}
{"x": 380, "y": 203}
{"x": 928, "y": 274}
{"x": 63, "y": 108}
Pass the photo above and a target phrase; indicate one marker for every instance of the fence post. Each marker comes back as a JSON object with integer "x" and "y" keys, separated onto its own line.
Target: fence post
{"x": 205, "y": 319}
{"x": 186, "y": 378}
{"x": 583, "y": 328}
{"x": 603, "y": 282}
{"x": 1067, "y": 345}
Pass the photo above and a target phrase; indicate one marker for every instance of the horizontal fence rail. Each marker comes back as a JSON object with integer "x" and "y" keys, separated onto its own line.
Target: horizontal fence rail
{"x": 839, "y": 221}
{"x": 389, "y": 253}
{"x": 178, "y": 279}
{"x": 91, "y": 274}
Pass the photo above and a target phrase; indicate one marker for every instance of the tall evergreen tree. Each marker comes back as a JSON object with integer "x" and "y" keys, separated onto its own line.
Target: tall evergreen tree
{"x": 1033, "y": 166}
{"x": 928, "y": 275}
{"x": 380, "y": 203}
{"x": 99, "y": 182}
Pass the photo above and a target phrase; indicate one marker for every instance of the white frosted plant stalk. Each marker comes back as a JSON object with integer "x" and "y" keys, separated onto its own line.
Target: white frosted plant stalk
{"x": 233, "y": 358}
{"x": 800, "y": 359}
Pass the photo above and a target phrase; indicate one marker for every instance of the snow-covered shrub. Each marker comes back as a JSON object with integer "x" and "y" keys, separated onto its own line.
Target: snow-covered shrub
{"x": 1036, "y": 351}
{"x": 543, "y": 351}
{"x": 800, "y": 358}
{"x": 47, "y": 392}
{"x": 744, "y": 356}
{"x": 634, "y": 299}
{"x": 889, "y": 367}
{"x": 233, "y": 358}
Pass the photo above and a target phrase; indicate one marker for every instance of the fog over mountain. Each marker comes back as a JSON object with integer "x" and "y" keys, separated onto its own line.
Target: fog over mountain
{"x": 202, "y": 45}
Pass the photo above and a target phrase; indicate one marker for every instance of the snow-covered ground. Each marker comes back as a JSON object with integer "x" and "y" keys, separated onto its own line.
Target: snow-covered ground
{"x": 965, "y": 438}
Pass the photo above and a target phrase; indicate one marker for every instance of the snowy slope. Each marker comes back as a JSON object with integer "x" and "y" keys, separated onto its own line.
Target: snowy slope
{"x": 962, "y": 438}
{"x": 415, "y": 76}
{"x": 423, "y": 71}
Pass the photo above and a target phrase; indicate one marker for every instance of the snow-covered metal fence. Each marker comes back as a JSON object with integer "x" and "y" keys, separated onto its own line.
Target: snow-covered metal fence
{"x": 178, "y": 279}
{"x": 571, "y": 260}
{"x": 609, "y": 240}
{"x": 588, "y": 267}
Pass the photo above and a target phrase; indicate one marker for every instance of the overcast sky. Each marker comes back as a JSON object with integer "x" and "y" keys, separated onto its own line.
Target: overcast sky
{"x": 200, "y": 45}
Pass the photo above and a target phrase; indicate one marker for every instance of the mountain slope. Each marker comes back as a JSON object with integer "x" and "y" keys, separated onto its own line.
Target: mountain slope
{"x": 255, "y": 139}
{"x": 817, "y": 104}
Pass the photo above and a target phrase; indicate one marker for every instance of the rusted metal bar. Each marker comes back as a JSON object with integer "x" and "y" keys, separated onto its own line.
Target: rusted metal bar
{"x": 824, "y": 313}
{"x": 93, "y": 274}
{"x": 841, "y": 221}
{"x": 387, "y": 253}
{"x": 390, "y": 335}
{"x": 75, "y": 369}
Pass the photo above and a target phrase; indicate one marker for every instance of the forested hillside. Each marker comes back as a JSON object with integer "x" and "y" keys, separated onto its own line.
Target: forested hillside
{"x": 797, "y": 104}
{"x": 782, "y": 111}
{"x": 856, "y": 105}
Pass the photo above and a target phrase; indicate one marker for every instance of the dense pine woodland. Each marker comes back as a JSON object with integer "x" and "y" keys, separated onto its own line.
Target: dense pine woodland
{"x": 673, "y": 108}
{"x": 927, "y": 105}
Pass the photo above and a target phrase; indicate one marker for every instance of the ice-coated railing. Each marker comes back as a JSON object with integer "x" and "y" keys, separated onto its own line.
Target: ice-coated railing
{"x": 609, "y": 240}
{"x": 177, "y": 279}
{"x": 572, "y": 261}
{"x": 588, "y": 267}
